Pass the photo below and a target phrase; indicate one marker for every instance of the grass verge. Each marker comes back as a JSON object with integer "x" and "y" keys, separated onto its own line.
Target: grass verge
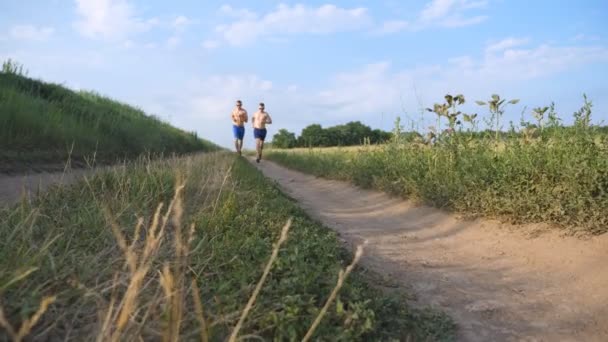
{"x": 559, "y": 178}
{"x": 107, "y": 262}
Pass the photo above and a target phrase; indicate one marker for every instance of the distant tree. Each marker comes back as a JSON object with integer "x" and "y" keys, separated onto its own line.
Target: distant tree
{"x": 284, "y": 139}
{"x": 313, "y": 135}
{"x": 351, "y": 133}
{"x": 379, "y": 136}
{"x": 357, "y": 133}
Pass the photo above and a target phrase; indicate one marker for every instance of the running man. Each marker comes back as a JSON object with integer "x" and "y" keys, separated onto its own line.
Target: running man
{"x": 259, "y": 120}
{"x": 239, "y": 118}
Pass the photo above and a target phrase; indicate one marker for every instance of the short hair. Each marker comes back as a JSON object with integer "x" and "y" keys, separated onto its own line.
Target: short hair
{"x": 239, "y": 102}
{"x": 262, "y": 104}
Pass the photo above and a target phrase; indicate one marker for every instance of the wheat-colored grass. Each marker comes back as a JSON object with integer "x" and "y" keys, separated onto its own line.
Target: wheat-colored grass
{"x": 26, "y": 326}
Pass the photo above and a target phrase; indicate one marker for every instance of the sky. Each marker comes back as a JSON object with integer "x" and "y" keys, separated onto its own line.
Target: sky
{"x": 187, "y": 62}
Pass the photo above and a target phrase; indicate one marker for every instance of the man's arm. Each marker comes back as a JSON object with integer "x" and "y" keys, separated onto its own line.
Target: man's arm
{"x": 268, "y": 119}
{"x": 232, "y": 117}
{"x": 246, "y": 116}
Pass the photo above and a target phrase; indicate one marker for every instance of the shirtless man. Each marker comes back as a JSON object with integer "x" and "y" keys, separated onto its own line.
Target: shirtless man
{"x": 259, "y": 120}
{"x": 239, "y": 118}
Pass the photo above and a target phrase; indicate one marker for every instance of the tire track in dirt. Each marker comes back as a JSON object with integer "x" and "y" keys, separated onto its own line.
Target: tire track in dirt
{"x": 498, "y": 282}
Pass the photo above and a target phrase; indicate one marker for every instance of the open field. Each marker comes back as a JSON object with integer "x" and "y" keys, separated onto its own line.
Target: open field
{"x": 102, "y": 259}
{"x": 558, "y": 175}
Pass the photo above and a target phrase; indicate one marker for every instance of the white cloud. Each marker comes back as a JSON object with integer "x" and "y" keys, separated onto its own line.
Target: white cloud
{"x": 30, "y": 32}
{"x": 379, "y": 87}
{"x": 441, "y": 9}
{"x": 211, "y": 98}
{"x": 241, "y": 13}
{"x": 392, "y": 26}
{"x": 110, "y": 19}
{"x": 450, "y": 13}
{"x": 180, "y": 23}
{"x": 523, "y": 64}
{"x": 506, "y": 43}
{"x": 584, "y": 37}
{"x": 458, "y": 21}
{"x": 436, "y": 9}
{"x": 288, "y": 20}
{"x": 210, "y": 44}
{"x": 438, "y": 13}
{"x": 173, "y": 42}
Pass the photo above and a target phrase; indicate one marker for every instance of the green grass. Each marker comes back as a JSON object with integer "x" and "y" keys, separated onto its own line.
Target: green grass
{"x": 63, "y": 245}
{"x": 46, "y": 123}
{"x": 558, "y": 175}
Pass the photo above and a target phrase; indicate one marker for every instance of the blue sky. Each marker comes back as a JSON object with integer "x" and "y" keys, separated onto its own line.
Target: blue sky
{"x": 315, "y": 61}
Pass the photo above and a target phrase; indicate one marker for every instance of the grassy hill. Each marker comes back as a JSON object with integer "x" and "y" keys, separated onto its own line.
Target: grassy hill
{"x": 41, "y": 123}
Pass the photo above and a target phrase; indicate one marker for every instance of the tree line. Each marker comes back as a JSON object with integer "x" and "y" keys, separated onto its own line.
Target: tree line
{"x": 349, "y": 134}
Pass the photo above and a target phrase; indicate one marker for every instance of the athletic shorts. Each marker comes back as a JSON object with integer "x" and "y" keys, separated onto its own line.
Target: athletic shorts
{"x": 238, "y": 131}
{"x": 259, "y": 133}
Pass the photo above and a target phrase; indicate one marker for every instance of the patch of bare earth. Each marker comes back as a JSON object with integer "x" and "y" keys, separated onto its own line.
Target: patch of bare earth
{"x": 497, "y": 281}
{"x": 15, "y": 187}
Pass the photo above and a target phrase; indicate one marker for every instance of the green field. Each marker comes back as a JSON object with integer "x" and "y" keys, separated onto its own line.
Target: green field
{"x": 43, "y": 123}
{"x": 89, "y": 251}
{"x": 542, "y": 172}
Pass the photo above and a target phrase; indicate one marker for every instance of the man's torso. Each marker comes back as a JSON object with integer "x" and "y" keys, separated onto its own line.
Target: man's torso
{"x": 239, "y": 116}
{"x": 259, "y": 120}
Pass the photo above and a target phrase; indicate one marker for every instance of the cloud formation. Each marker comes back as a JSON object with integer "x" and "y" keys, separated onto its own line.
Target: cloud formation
{"x": 248, "y": 26}
{"x": 110, "y": 19}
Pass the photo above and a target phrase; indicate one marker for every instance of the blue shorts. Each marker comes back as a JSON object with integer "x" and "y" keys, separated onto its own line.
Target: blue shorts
{"x": 259, "y": 133}
{"x": 238, "y": 131}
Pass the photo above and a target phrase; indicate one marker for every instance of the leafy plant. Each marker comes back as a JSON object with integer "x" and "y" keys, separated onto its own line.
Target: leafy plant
{"x": 496, "y": 106}
{"x": 557, "y": 176}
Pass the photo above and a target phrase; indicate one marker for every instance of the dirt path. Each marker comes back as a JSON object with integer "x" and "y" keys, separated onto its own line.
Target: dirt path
{"x": 498, "y": 282}
{"x": 13, "y": 187}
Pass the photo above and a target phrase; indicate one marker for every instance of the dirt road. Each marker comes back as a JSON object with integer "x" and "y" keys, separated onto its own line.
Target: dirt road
{"x": 12, "y": 187}
{"x": 498, "y": 282}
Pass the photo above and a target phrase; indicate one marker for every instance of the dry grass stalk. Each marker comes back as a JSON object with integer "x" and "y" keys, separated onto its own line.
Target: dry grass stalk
{"x": 28, "y": 324}
{"x": 6, "y": 325}
{"x": 341, "y": 278}
{"x": 140, "y": 265}
{"x": 200, "y": 314}
{"x": 258, "y": 287}
{"x": 173, "y": 281}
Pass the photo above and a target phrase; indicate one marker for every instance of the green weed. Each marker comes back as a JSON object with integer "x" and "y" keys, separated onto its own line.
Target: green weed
{"x": 541, "y": 173}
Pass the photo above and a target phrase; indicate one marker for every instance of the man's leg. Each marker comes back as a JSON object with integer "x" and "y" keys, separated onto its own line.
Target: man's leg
{"x": 257, "y": 148}
{"x": 236, "y": 145}
{"x": 261, "y": 148}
